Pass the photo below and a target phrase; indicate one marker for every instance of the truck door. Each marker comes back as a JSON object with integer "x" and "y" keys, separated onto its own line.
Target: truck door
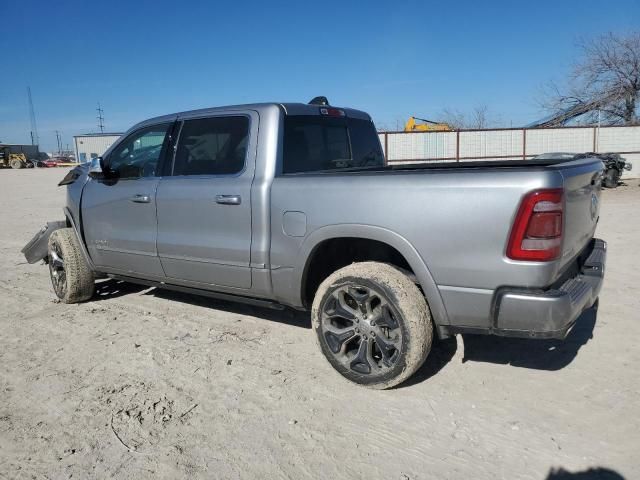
{"x": 204, "y": 206}
{"x": 119, "y": 213}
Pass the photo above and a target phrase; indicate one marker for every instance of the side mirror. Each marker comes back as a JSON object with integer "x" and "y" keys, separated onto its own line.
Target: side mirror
{"x": 97, "y": 168}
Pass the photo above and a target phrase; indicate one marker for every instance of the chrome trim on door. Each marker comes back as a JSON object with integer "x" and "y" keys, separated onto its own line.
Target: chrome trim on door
{"x": 228, "y": 199}
{"x": 139, "y": 198}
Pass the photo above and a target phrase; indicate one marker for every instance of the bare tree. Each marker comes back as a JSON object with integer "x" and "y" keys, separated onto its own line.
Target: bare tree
{"x": 454, "y": 118}
{"x": 605, "y": 81}
{"x": 478, "y": 118}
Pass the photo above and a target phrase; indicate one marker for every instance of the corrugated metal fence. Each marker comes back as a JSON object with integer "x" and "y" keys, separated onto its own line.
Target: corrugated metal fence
{"x": 510, "y": 144}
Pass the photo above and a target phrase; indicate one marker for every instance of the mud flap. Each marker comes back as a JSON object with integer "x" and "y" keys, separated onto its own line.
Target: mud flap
{"x": 37, "y": 248}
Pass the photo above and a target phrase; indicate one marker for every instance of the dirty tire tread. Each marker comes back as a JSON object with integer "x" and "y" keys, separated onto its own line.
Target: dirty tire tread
{"x": 407, "y": 298}
{"x": 80, "y": 282}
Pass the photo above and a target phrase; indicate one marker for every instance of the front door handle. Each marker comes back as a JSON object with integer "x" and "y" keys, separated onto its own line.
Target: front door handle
{"x": 139, "y": 198}
{"x": 228, "y": 199}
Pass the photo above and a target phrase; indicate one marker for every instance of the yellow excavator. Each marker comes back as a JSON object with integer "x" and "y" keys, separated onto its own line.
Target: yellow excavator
{"x": 426, "y": 126}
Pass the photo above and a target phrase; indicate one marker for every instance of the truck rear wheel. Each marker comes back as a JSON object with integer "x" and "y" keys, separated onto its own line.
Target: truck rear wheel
{"x": 372, "y": 324}
{"x": 71, "y": 277}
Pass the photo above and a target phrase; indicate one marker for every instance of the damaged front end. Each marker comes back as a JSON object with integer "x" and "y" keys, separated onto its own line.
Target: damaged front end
{"x": 74, "y": 180}
{"x": 37, "y": 248}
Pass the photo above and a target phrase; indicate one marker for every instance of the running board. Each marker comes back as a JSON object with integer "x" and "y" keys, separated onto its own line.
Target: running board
{"x": 257, "y": 302}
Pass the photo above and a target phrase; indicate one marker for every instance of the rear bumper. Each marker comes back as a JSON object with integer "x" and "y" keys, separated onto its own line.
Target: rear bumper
{"x": 552, "y": 313}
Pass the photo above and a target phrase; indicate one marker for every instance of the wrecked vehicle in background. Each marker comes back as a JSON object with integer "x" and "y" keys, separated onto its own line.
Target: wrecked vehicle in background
{"x": 614, "y": 164}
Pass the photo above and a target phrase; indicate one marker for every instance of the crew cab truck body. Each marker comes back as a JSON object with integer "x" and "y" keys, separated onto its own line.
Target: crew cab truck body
{"x": 292, "y": 204}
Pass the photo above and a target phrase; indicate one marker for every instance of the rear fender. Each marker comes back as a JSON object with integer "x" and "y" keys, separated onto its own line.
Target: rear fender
{"x": 391, "y": 238}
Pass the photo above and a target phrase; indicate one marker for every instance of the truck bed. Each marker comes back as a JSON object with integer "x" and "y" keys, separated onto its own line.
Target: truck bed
{"x": 458, "y": 216}
{"x": 453, "y": 165}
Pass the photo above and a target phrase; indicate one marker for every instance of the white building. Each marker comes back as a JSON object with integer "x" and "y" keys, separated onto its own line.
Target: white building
{"x": 92, "y": 145}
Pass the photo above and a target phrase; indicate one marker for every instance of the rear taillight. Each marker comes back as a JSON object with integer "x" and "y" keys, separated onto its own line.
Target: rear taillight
{"x": 537, "y": 229}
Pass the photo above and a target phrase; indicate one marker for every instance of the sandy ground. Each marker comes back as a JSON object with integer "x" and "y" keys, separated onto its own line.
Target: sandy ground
{"x": 141, "y": 383}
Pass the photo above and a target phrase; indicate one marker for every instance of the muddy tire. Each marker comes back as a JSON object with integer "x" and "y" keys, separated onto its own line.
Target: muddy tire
{"x": 372, "y": 324}
{"x": 16, "y": 163}
{"x": 71, "y": 277}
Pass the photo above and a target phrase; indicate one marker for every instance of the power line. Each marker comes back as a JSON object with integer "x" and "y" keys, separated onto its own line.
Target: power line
{"x": 100, "y": 118}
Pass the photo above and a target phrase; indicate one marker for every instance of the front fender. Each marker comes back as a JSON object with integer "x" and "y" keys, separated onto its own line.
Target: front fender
{"x": 76, "y": 228}
{"x": 391, "y": 238}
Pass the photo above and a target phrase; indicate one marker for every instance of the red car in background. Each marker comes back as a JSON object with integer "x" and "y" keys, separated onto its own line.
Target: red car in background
{"x": 53, "y": 161}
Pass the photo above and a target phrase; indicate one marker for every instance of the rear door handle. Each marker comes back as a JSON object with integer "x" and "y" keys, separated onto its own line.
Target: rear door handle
{"x": 139, "y": 198}
{"x": 228, "y": 199}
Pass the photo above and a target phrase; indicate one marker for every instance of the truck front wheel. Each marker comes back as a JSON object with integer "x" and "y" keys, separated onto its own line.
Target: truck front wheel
{"x": 71, "y": 277}
{"x": 372, "y": 324}
{"x": 16, "y": 163}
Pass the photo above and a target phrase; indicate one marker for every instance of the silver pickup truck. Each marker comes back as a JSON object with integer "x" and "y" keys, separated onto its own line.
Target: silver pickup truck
{"x": 293, "y": 205}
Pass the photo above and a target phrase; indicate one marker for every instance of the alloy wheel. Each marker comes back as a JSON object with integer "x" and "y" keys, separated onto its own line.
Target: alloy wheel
{"x": 361, "y": 329}
{"x": 57, "y": 270}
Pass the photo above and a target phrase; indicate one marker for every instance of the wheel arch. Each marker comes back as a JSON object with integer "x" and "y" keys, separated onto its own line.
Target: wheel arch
{"x": 71, "y": 223}
{"x": 313, "y": 243}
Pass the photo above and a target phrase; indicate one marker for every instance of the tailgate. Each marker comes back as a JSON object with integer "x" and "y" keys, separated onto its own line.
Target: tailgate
{"x": 582, "y": 180}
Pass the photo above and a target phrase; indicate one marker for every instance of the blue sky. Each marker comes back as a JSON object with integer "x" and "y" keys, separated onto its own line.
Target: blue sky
{"x": 392, "y": 59}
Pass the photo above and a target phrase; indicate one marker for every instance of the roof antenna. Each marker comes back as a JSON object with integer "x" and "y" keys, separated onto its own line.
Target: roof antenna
{"x": 319, "y": 101}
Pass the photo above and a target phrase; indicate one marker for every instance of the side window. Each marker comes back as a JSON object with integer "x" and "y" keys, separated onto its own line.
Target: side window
{"x": 138, "y": 155}
{"x": 83, "y": 157}
{"x": 315, "y": 144}
{"x": 212, "y": 146}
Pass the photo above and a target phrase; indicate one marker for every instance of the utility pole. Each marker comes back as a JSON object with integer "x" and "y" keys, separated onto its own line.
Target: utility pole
{"x": 59, "y": 142}
{"x": 597, "y": 142}
{"x": 32, "y": 117}
{"x": 100, "y": 118}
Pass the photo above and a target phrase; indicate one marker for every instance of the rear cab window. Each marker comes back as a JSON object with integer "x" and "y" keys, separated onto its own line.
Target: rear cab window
{"x": 212, "y": 146}
{"x": 324, "y": 144}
